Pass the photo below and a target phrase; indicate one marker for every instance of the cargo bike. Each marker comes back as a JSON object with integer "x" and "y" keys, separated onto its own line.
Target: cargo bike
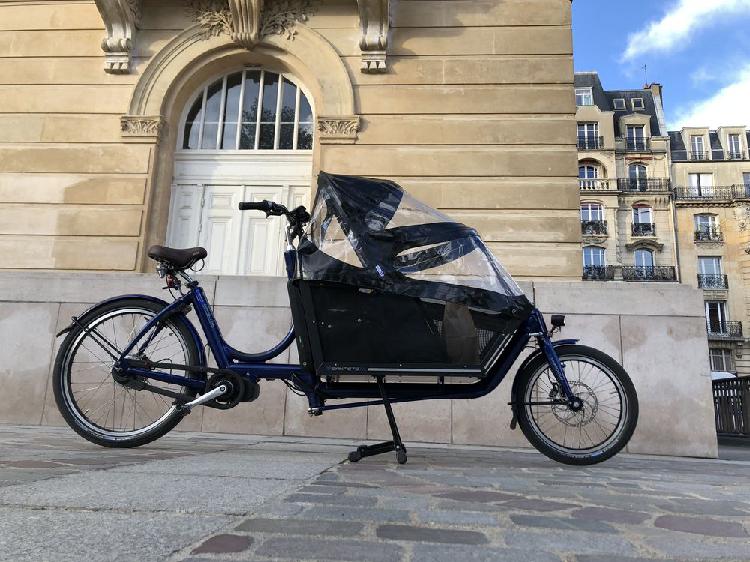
{"x": 391, "y": 302}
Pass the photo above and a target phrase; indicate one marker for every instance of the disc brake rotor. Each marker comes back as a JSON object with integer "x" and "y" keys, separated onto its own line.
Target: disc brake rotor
{"x": 585, "y": 415}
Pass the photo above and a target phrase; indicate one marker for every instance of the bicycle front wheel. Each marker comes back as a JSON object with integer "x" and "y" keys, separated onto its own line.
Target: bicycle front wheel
{"x": 591, "y": 435}
{"x": 87, "y": 392}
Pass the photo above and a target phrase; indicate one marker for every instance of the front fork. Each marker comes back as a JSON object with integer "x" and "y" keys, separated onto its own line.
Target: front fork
{"x": 538, "y": 329}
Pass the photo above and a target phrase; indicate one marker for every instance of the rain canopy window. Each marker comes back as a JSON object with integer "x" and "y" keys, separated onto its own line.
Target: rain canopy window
{"x": 394, "y": 285}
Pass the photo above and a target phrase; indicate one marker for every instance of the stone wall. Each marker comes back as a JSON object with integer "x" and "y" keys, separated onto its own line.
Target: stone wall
{"x": 656, "y": 331}
{"x": 474, "y": 114}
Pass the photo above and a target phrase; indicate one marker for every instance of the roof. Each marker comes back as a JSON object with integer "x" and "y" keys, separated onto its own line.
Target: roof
{"x": 604, "y": 100}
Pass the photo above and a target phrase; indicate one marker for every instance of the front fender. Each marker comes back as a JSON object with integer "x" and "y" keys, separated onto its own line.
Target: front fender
{"x": 178, "y": 316}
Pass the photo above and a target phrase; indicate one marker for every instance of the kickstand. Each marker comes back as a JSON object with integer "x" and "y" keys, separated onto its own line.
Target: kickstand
{"x": 379, "y": 448}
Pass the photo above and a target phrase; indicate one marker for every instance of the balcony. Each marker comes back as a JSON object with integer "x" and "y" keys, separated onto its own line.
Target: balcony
{"x": 643, "y": 184}
{"x": 598, "y": 273}
{"x": 709, "y": 234}
{"x": 596, "y": 185}
{"x": 724, "y": 330}
{"x": 594, "y": 228}
{"x": 661, "y": 273}
{"x": 698, "y": 155}
{"x": 713, "y": 282}
{"x": 590, "y": 143}
{"x": 643, "y": 229}
{"x": 731, "y": 155}
{"x": 637, "y": 145}
{"x": 712, "y": 193}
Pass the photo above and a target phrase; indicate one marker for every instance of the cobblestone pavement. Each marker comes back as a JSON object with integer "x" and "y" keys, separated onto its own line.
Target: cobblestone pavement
{"x": 203, "y": 497}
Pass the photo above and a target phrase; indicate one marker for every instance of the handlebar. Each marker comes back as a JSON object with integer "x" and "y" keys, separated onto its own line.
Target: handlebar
{"x": 268, "y": 207}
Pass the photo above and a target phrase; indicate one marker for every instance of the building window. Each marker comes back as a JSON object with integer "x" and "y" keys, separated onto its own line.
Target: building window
{"x": 619, "y": 104}
{"x": 710, "y": 275}
{"x": 638, "y": 177}
{"x": 701, "y": 184}
{"x": 697, "y": 147}
{"x": 644, "y": 259}
{"x": 716, "y": 317}
{"x": 249, "y": 110}
{"x": 638, "y": 103}
{"x": 643, "y": 221}
{"x": 592, "y": 212}
{"x": 593, "y": 256}
{"x": 588, "y": 136}
{"x": 735, "y": 147}
{"x": 584, "y": 96}
{"x": 706, "y": 228}
{"x": 721, "y": 360}
{"x": 710, "y": 265}
{"x": 636, "y": 138}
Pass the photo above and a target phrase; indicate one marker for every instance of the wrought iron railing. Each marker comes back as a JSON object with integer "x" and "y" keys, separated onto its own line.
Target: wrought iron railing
{"x": 590, "y": 143}
{"x": 643, "y": 184}
{"x": 709, "y": 234}
{"x": 724, "y": 330}
{"x": 716, "y": 282}
{"x": 732, "y": 155}
{"x": 712, "y": 193}
{"x": 598, "y": 273}
{"x": 594, "y": 228}
{"x": 732, "y": 406}
{"x": 644, "y": 229}
{"x": 595, "y": 184}
{"x": 638, "y": 145}
{"x": 699, "y": 155}
{"x": 649, "y": 273}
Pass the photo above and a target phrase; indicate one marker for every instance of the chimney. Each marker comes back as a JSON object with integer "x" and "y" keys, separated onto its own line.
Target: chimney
{"x": 656, "y": 91}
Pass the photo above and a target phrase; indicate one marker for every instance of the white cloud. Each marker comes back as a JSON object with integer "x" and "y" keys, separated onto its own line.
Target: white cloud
{"x": 681, "y": 20}
{"x": 727, "y": 107}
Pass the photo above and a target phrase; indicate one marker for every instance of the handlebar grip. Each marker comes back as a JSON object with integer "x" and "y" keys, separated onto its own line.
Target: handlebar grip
{"x": 255, "y": 206}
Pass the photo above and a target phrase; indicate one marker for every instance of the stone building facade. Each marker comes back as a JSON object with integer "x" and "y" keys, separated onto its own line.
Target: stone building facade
{"x": 468, "y": 104}
{"x": 624, "y": 180}
{"x": 711, "y": 177}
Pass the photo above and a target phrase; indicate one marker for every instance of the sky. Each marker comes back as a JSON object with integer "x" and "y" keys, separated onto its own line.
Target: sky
{"x": 699, "y": 50}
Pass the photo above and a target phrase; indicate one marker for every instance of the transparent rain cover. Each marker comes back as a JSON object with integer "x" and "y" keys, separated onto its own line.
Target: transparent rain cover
{"x": 370, "y": 233}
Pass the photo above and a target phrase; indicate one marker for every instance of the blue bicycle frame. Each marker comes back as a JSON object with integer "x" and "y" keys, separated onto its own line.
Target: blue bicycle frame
{"x": 255, "y": 366}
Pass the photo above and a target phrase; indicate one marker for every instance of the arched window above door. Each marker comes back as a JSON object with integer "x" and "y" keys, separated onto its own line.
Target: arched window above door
{"x": 251, "y": 109}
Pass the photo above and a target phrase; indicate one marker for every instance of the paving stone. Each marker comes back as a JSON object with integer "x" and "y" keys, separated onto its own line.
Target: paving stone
{"x": 479, "y": 496}
{"x": 454, "y": 553}
{"x": 31, "y": 464}
{"x": 537, "y": 505}
{"x": 571, "y": 542}
{"x": 702, "y": 526}
{"x": 706, "y": 507}
{"x": 302, "y": 527}
{"x": 313, "y": 549}
{"x": 374, "y": 515}
{"x": 430, "y": 534}
{"x": 562, "y": 523}
{"x": 611, "y": 515}
{"x": 457, "y": 517}
{"x": 684, "y": 547}
{"x": 610, "y": 558}
{"x": 352, "y": 501}
{"x": 224, "y": 544}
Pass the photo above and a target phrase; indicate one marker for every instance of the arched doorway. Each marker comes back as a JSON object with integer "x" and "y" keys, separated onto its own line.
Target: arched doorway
{"x": 244, "y": 136}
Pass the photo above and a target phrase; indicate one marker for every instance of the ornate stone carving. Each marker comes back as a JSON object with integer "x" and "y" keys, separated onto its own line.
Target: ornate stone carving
{"x": 338, "y": 130}
{"x": 120, "y": 19}
{"x": 139, "y": 127}
{"x": 212, "y": 15}
{"x": 248, "y": 21}
{"x": 374, "y": 22}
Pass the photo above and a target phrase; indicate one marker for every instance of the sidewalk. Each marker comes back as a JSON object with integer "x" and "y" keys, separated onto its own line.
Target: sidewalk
{"x": 208, "y": 497}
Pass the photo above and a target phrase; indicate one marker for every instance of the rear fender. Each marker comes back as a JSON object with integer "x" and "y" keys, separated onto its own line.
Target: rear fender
{"x": 178, "y": 316}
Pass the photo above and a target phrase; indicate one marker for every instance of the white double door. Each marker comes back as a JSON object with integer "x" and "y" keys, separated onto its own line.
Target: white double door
{"x": 204, "y": 211}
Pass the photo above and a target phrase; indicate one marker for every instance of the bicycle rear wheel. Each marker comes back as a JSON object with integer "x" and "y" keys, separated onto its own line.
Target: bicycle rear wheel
{"x": 595, "y": 433}
{"x": 89, "y": 396}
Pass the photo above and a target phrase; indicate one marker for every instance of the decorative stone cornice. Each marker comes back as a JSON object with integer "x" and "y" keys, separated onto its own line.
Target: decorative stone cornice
{"x": 140, "y": 128}
{"x": 120, "y": 19}
{"x": 338, "y": 130}
{"x": 249, "y": 21}
{"x": 374, "y": 22}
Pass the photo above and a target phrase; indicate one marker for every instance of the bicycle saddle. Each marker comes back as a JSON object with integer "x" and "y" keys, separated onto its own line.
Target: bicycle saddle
{"x": 179, "y": 259}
